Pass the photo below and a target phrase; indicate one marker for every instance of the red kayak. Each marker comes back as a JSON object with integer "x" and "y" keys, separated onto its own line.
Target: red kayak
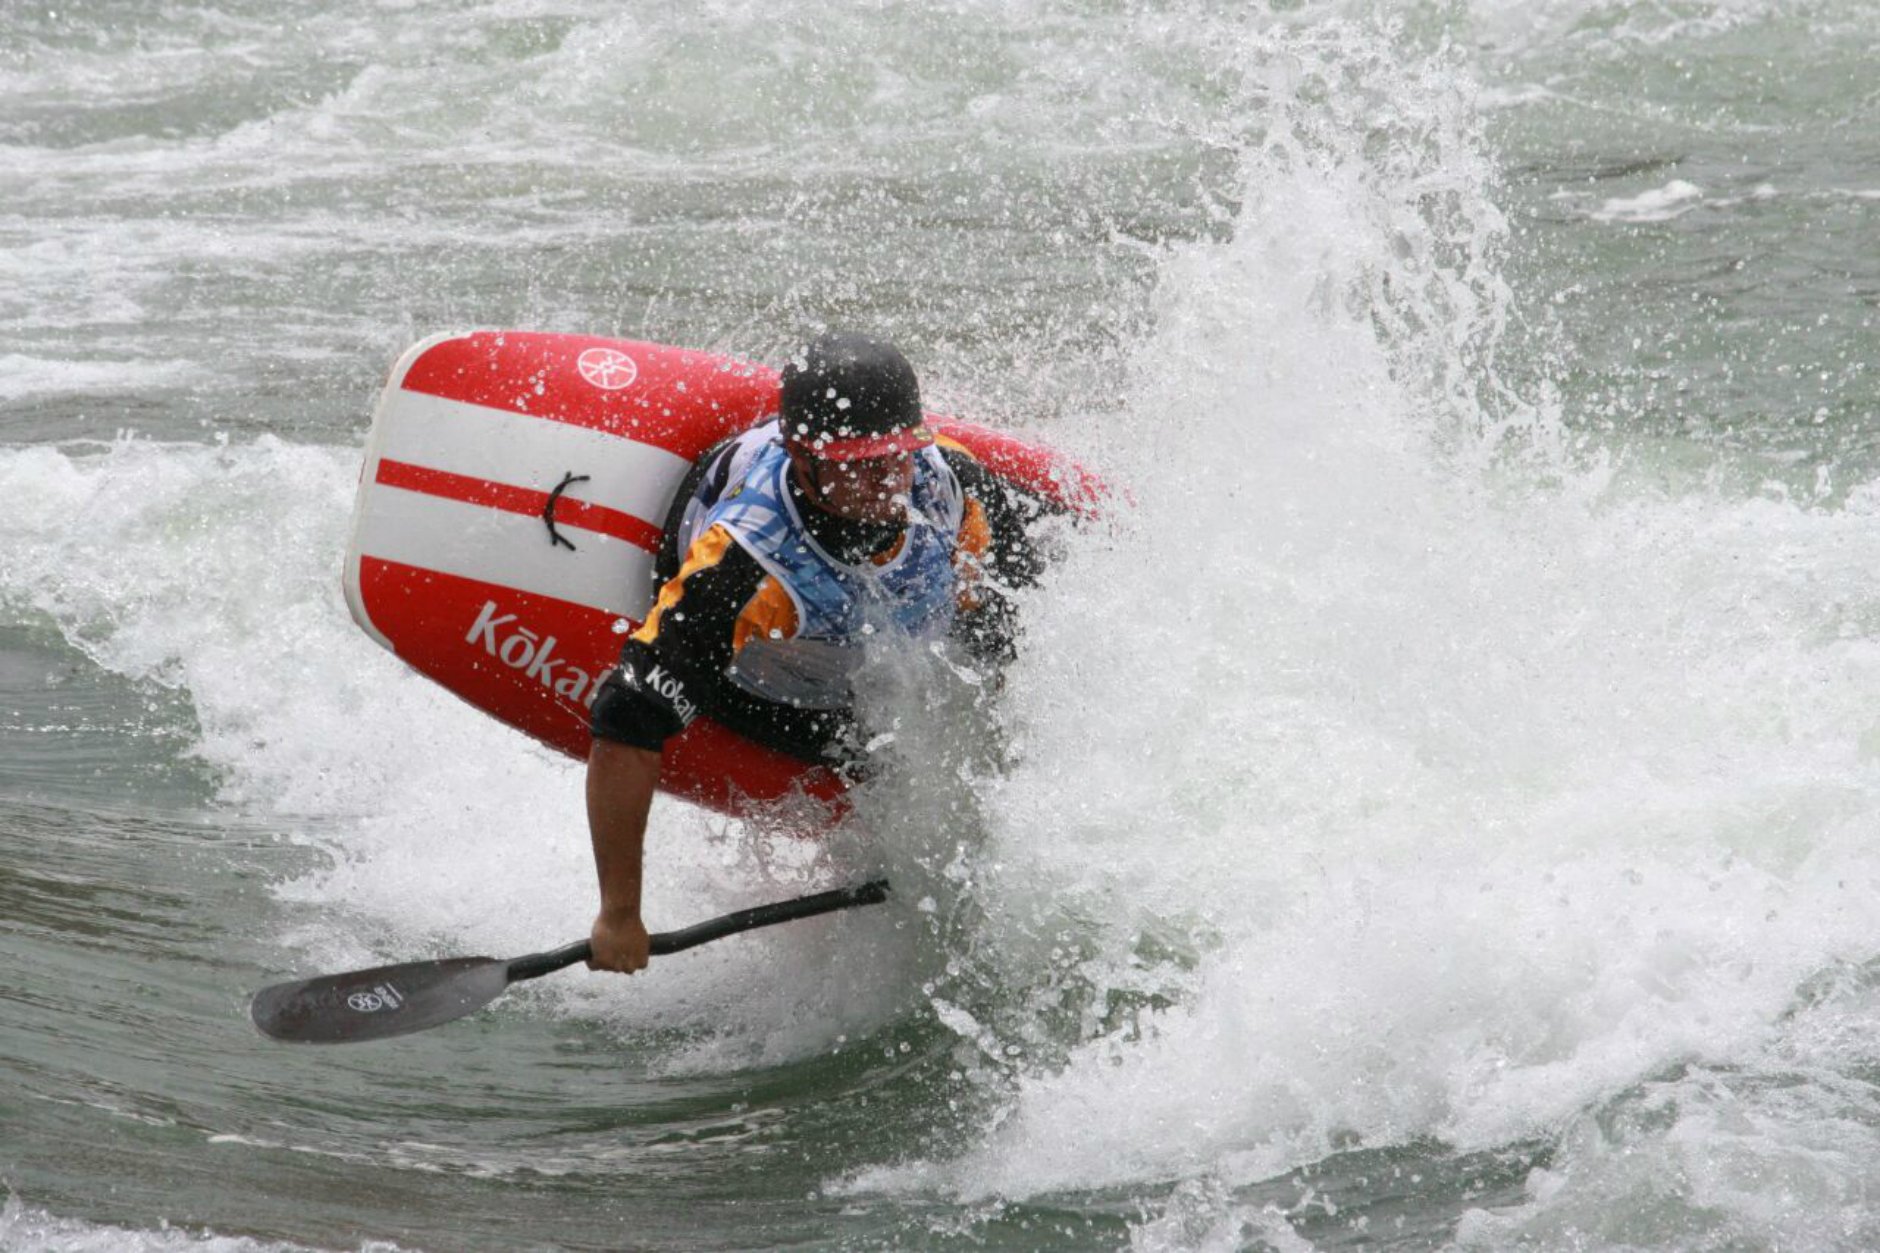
{"x": 511, "y": 504}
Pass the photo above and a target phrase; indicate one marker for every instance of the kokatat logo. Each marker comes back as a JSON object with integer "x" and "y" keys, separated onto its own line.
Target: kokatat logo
{"x": 673, "y": 690}
{"x": 522, "y": 649}
{"x": 607, "y": 368}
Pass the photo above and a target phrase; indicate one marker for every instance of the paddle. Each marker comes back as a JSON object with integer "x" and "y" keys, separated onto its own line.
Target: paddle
{"x": 396, "y": 1000}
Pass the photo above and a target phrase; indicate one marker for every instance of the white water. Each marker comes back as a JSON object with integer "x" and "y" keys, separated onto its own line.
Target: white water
{"x": 25, "y": 1229}
{"x": 1477, "y": 798}
{"x": 1435, "y": 793}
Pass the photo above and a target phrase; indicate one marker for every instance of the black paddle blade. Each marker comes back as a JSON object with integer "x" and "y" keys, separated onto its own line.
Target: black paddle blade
{"x": 379, "y": 1003}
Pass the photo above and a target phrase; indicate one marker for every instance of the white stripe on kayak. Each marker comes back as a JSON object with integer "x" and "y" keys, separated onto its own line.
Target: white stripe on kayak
{"x": 523, "y": 450}
{"x": 507, "y": 549}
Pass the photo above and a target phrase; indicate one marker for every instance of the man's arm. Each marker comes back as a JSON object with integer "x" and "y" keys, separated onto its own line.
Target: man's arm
{"x": 994, "y": 553}
{"x": 620, "y": 781}
{"x": 643, "y": 702}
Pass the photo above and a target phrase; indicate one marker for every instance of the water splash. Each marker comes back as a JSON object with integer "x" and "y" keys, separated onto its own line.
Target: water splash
{"x": 1377, "y": 781}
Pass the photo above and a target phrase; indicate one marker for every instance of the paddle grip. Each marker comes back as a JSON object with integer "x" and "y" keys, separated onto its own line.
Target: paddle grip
{"x": 870, "y": 893}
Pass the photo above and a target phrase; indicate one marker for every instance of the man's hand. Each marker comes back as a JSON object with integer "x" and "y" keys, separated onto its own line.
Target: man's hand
{"x": 619, "y": 942}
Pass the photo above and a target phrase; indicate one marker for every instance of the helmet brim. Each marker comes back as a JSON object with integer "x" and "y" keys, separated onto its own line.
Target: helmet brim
{"x": 863, "y": 447}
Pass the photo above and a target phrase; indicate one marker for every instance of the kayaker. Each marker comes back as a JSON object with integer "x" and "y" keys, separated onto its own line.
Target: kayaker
{"x": 841, "y": 520}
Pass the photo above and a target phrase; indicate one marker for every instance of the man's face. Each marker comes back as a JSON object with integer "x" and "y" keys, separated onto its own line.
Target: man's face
{"x": 874, "y": 489}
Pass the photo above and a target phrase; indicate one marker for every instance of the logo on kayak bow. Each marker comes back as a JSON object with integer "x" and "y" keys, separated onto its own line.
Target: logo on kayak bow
{"x": 521, "y": 648}
{"x": 608, "y": 368}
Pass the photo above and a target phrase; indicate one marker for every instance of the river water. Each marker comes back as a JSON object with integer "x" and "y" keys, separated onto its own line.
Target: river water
{"x": 1441, "y": 803}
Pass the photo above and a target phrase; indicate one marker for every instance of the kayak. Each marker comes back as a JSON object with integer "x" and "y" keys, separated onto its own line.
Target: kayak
{"x": 511, "y": 506}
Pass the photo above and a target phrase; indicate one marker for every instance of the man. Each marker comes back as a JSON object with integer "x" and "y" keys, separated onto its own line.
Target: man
{"x": 839, "y": 522}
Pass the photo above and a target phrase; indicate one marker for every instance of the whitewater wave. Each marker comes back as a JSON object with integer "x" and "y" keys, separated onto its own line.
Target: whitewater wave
{"x": 1421, "y": 782}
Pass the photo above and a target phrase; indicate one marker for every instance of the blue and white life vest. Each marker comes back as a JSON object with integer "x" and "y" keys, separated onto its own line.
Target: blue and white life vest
{"x": 838, "y": 604}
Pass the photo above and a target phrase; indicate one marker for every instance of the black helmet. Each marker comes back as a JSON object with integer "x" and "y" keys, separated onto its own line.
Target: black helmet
{"x": 847, "y": 397}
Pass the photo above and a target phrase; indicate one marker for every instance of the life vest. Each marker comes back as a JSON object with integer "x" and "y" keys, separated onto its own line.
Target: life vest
{"x": 839, "y": 605}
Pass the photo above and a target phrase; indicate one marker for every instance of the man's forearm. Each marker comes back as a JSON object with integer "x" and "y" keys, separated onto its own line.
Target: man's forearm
{"x": 620, "y": 782}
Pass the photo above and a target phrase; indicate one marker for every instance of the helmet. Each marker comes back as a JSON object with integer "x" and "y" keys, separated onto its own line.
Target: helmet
{"x": 847, "y": 398}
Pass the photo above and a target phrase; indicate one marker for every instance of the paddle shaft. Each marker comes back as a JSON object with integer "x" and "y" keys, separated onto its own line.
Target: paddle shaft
{"x": 535, "y": 965}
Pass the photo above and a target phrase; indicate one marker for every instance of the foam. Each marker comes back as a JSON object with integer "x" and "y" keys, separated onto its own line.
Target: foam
{"x": 25, "y": 1229}
{"x": 1662, "y": 204}
{"x": 1427, "y": 784}
{"x": 23, "y": 376}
